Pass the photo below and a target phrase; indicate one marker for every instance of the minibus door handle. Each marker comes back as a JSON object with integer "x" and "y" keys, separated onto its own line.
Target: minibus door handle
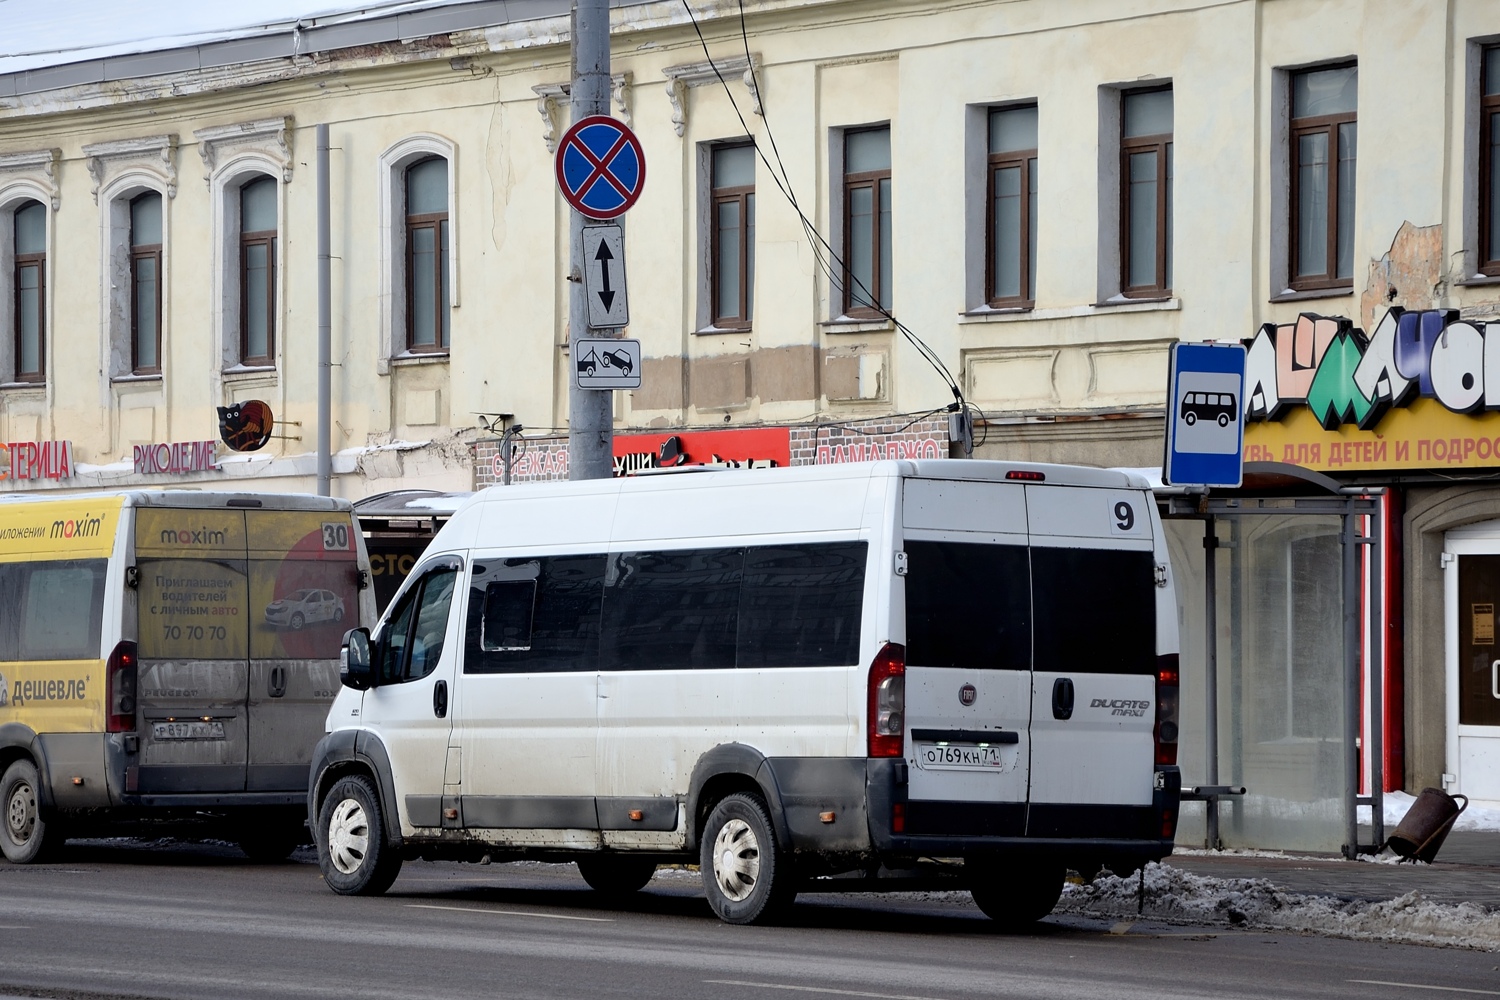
{"x": 1062, "y": 698}
{"x": 277, "y": 682}
{"x": 440, "y": 699}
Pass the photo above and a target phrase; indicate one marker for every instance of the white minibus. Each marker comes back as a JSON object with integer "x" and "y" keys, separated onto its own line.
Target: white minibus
{"x": 879, "y": 676}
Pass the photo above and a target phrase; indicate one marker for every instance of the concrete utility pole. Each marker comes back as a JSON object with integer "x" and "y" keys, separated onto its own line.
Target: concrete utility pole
{"x": 325, "y": 321}
{"x": 591, "y": 418}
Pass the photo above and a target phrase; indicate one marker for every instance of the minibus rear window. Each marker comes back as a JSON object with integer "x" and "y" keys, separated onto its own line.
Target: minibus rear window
{"x": 553, "y": 600}
{"x": 1095, "y": 611}
{"x": 51, "y": 610}
{"x": 968, "y": 605}
{"x": 800, "y": 605}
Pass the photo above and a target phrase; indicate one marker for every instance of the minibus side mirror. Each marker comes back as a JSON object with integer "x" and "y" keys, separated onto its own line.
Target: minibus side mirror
{"x": 355, "y": 670}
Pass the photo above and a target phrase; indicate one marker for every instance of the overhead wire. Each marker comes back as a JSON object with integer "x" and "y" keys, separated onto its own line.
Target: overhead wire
{"x": 823, "y": 253}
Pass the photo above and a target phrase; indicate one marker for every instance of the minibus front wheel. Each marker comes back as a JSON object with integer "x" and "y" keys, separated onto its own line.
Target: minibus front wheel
{"x": 352, "y": 852}
{"x": 25, "y": 835}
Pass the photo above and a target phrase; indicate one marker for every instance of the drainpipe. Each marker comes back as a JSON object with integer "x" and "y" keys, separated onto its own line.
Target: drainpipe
{"x": 325, "y": 321}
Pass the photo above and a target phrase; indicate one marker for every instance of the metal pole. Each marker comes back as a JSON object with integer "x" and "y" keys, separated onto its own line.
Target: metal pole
{"x": 1211, "y": 678}
{"x": 507, "y": 443}
{"x": 325, "y": 321}
{"x": 590, "y": 411}
{"x": 1236, "y": 663}
{"x": 1376, "y": 671}
{"x": 1350, "y": 549}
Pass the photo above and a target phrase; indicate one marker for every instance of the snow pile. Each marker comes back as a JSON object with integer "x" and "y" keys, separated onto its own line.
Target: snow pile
{"x": 1175, "y": 895}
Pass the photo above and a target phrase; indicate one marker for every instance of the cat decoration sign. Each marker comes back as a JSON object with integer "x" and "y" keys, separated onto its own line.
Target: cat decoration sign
{"x": 246, "y": 426}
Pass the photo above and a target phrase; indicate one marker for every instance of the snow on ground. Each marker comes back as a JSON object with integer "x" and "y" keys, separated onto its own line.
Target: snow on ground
{"x": 1177, "y": 896}
{"x": 1475, "y": 817}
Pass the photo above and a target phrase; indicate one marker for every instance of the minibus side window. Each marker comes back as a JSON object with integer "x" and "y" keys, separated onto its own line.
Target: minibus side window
{"x": 62, "y": 610}
{"x": 1095, "y": 610}
{"x": 534, "y": 615}
{"x": 412, "y": 642}
{"x": 676, "y": 610}
{"x": 968, "y": 605}
{"x": 800, "y": 605}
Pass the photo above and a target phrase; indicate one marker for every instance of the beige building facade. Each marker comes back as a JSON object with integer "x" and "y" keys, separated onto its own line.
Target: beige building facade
{"x": 1024, "y": 204}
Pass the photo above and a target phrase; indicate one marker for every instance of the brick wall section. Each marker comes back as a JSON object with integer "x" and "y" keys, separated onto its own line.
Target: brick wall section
{"x": 546, "y": 459}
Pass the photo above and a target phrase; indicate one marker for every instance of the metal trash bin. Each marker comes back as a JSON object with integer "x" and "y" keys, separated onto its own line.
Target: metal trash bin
{"x": 1426, "y": 824}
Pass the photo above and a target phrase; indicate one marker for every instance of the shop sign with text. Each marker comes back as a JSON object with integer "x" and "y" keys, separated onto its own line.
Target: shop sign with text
{"x": 177, "y": 459}
{"x": 1421, "y": 392}
{"x": 36, "y": 460}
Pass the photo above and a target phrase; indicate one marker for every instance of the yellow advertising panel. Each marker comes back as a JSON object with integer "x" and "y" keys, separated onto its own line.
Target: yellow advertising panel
{"x": 193, "y": 595}
{"x": 304, "y": 583}
{"x": 57, "y": 696}
{"x": 1422, "y": 435}
{"x": 73, "y": 528}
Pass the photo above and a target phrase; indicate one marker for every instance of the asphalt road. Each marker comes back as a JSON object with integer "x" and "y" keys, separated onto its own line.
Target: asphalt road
{"x": 197, "y": 921}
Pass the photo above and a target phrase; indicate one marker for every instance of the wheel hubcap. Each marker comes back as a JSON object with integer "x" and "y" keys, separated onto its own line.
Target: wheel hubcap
{"x": 348, "y": 836}
{"x": 736, "y": 860}
{"x": 20, "y": 813}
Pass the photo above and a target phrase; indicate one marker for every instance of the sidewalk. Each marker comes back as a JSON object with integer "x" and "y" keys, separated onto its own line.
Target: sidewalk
{"x": 1467, "y": 870}
{"x": 1454, "y": 902}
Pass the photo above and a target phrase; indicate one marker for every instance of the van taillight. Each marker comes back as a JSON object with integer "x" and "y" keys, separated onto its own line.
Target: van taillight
{"x": 888, "y": 701}
{"x": 1026, "y": 475}
{"x": 120, "y": 680}
{"x": 1166, "y": 709}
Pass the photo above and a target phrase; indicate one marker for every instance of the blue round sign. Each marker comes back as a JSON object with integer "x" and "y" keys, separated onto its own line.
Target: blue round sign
{"x": 600, "y": 167}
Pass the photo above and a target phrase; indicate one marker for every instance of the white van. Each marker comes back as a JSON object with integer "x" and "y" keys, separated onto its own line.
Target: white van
{"x": 827, "y": 678}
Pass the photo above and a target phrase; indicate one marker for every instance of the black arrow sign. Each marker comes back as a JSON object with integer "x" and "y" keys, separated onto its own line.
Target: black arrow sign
{"x": 603, "y": 256}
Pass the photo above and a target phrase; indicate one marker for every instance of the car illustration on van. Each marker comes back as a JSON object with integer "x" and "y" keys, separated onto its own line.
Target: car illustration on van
{"x": 778, "y": 675}
{"x": 1216, "y": 407}
{"x": 305, "y": 607}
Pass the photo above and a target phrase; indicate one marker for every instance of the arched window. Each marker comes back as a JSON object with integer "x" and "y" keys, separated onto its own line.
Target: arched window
{"x": 258, "y": 228}
{"x": 145, "y": 284}
{"x": 30, "y": 315}
{"x": 427, "y": 324}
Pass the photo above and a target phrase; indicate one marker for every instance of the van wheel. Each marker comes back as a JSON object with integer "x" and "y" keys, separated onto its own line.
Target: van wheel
{"x": 748, "y": 879}
{"x": 616, "y": 876}
{"x": 271, "y": 842}
{"x": 26, "y": 837}
{"x": 352, "y": 852}
{"x": 1016, "y": 896}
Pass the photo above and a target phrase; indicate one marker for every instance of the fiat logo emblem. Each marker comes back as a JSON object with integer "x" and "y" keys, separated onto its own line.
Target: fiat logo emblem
{"x": 967, "y": 694}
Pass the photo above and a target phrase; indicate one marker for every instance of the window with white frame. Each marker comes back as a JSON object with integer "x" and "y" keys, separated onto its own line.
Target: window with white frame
{"x": 256, "y": 270}
{"x": 419, "y": 241}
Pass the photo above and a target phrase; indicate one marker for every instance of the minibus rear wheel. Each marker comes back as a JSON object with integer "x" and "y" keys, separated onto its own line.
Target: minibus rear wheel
{"x": 352, "y": 852}
{"x": 747, "y": 877}
{"x": 26, "y": 836}
{"x": 614, "y": 876}
{"x": 1015, "y": 896}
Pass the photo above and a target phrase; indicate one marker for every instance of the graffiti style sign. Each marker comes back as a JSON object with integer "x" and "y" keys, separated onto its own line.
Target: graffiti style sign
{"x": 1421, "y": 392}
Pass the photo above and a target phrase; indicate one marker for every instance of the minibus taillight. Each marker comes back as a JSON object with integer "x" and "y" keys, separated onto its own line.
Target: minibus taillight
{"x": 1026, "y": 475}
{"x": 1166, "y": 709}
{"x": 120, "y": 678}
{"x": 888, "y": 701}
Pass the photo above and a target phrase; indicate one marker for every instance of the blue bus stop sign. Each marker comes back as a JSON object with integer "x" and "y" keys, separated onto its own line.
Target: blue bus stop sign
{"x": 600, "y": 167}
{"x": 1205, "y": 415}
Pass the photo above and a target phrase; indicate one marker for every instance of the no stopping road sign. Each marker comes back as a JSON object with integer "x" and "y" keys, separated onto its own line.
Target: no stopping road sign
{"x": 600, "y": 167}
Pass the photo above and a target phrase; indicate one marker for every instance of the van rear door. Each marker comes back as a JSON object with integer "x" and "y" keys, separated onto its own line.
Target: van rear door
{"x": 1094, "y": 596}
{"x": 194, "y": 650}
{"x": 304, "y": 594}
{"x": 968, "y": 656}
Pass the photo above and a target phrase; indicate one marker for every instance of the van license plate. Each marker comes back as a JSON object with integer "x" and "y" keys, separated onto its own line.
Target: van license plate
{"x": 961, "y": 756}
{"x": 187, "y": 730}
